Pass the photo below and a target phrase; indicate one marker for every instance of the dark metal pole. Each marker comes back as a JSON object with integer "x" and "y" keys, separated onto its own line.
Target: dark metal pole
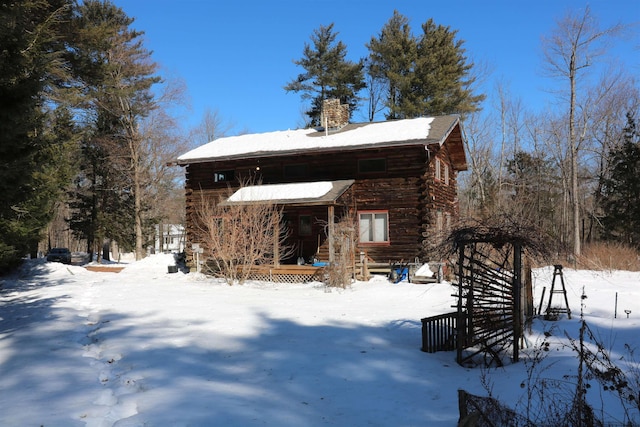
{"x": 460, "y": 326}
{"x": 544, "y": 290}
{"x": 517, "y": 303}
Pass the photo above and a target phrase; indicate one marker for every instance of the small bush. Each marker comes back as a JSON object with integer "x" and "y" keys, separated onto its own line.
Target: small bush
{"x": 609, "y": 256}
{"x": 238, "y": 237}
{"x": 340, "y": 273}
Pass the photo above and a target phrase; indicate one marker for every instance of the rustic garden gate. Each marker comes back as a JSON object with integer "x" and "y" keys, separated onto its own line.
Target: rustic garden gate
{"x": 489, "y": 300}
{"x": 493, "y": 297}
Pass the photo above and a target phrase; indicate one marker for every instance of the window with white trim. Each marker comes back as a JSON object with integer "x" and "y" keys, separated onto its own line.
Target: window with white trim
{"x": 374, "y": 226}
{"x": 446, "y": 174}
{"x": 442, "y": 171}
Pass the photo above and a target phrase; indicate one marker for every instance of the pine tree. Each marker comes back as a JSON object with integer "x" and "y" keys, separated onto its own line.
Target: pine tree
{"x": 101, "y": 203}
{"x": 328, "y": 74}
{"x": 59, "y": 159}
{"x": 442, "y": 83}
{"x": 116, "y": 74}
{"x": 621, "y": 189}
{"x": 425, "y": 76}
{"x": 32, "y": 35}
{"x": 391, "y": 59}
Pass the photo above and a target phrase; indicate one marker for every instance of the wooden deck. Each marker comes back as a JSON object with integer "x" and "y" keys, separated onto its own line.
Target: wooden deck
{"x": 288, "y": 269}
{"x": 287, "y": 273}
{"x": 104, "y": 269}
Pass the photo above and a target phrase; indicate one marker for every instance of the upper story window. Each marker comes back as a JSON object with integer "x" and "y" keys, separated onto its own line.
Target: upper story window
{"x": 442, "y": 171}
{"x": 298, "y": 170}
{"x": 372, "y": 165}
{"x": 223, "y": 176}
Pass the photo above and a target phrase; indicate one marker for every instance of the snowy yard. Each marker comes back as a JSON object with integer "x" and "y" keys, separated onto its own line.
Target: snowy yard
{"x": 146, "y": 348}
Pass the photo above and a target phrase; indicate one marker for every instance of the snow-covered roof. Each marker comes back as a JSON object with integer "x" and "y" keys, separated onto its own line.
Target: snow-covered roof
{"x": 389, "y": 133}
{"x": 296, "y": 190}
{"x": 307, "y": 193}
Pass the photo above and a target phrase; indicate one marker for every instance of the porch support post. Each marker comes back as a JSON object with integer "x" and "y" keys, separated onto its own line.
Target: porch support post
{"x": 276, "y": 244}
{"x": 330, "y": 219}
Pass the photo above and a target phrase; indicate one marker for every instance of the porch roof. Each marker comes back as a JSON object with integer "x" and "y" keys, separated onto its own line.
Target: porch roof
{"x": 299, "y": 193}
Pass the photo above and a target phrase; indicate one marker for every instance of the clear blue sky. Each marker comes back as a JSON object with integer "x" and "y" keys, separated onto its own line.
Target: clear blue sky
{"x": 235, "y": 56}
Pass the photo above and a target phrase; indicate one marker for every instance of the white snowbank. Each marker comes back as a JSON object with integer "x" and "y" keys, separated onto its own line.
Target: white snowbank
{"x": 144, "y": 347}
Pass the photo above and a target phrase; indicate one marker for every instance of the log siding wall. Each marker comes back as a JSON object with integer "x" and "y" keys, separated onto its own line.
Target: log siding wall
{"x": 407, "y": 190}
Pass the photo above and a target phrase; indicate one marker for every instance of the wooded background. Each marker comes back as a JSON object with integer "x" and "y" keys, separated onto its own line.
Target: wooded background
{"x": 89, "y": 126}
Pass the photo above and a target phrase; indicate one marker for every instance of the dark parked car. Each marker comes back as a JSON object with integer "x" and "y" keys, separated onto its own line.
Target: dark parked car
{"x": 59, "y": 255}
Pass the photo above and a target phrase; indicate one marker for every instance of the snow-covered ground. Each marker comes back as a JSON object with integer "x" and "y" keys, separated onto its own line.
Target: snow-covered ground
{"x": 147, "y": 348}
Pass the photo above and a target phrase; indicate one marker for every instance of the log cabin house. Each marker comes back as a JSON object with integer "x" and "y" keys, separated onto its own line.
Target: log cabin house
{"x": 396, "y": 179}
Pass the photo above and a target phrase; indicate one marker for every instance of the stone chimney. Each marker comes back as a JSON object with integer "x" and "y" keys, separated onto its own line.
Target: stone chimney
{"x": 334, "y": 115}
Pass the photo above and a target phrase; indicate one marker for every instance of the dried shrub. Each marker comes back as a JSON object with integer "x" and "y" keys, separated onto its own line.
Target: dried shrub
{"x": 340, "y": 272}
{"x": 498, "y": 231}
{"x": 609, "y": 256}
{"x": 240, "y": 236}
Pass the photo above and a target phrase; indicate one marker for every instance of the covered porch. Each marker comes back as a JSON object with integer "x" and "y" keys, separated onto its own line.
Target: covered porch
{"x": 308, "y": 219}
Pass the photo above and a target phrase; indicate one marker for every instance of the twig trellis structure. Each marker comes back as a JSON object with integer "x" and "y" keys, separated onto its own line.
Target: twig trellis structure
{"x": 493, "y": 295}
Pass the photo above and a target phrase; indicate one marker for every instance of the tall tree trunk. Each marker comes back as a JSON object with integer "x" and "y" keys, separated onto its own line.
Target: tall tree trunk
{"x": 134, "y": 147}
{"x": 502, "y": 144}
{"x": 574, "y": 159}
{"x": 138, "y": 215}
{"x": 572, "y": 48}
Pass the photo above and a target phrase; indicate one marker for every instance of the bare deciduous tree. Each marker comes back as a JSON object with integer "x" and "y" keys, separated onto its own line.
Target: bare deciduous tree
{"x": 162, "y": 142}
{"x": 211, "y": 127}
{"x": 376, "y": 93}
{"x": 480, "y": 185}
{"x": 569, "y": 51}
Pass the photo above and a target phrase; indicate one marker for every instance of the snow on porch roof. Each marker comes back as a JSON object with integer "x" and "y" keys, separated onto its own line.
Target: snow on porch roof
{"x": 423, "y": 129}
{"x": 299, "y": 193}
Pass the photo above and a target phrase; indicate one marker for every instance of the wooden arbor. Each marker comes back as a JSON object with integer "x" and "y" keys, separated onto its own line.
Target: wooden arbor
{"x": 493, "y": 297}
{"x": 490, "y": 292}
